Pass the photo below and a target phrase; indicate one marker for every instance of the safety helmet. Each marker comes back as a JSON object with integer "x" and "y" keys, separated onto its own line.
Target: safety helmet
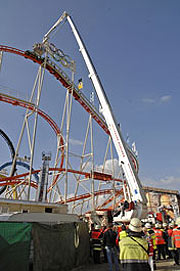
{"x": 178, "y": 221}
{"x": 97, "y": 227}
{"x": 157, "y": 225}
{"x": 148, "y": 225}
{"x": 135, "y": 225}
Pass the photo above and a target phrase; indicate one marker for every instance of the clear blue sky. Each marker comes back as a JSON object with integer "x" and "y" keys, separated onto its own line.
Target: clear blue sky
{"x": 135, "y": 46}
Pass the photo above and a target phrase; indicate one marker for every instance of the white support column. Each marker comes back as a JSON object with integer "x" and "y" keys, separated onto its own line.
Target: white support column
{"x": 69, "y": 109}
{"x": 40, "y": 84}
{"x": 92, "y": 155}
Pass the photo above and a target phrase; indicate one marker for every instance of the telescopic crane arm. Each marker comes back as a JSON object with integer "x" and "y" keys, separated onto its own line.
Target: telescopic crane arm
{"x": 134, "y": 183}
{"x": 47, "y": 35}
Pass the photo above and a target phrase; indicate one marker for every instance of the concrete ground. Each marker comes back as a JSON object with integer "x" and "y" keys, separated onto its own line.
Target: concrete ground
{"x": 167, "y": 265}
{"x": 163, "y": 265}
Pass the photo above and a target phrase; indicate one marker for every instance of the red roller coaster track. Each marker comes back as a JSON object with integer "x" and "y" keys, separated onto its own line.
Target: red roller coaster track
{"x": 13, "y": 180}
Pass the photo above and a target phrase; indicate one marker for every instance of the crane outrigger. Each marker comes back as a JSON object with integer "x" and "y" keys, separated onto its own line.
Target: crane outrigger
{"x": 137, "y": 194}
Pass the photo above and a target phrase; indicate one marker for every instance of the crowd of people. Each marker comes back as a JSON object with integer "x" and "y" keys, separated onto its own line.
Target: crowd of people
{"x": 136, "y": 246}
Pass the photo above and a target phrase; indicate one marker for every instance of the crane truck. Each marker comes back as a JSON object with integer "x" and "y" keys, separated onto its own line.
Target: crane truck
{"x": 135, "y": 187}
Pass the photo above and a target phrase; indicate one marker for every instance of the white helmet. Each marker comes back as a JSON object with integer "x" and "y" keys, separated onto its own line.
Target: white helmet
{"x": 97, "y": 227}
{"x": 178, "y": 221}
{"x": 157, "y": 225}
{"x": 148, "y": 225}
{"x": 135, "y": 225}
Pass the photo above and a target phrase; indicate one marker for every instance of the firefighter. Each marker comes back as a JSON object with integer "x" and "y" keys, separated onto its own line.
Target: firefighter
{"x": 134, "y": 251}
{"x": 150, "y": 237}
{"x": 165, "y": 235}
{"x": 96, "y": 243}
{"x": 160, "y": 242}
{"x": 153, "y": 249}
{"x": 176, "y": 241}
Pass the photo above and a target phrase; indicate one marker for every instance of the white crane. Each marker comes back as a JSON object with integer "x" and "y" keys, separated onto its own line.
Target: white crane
{"x": 136, "y": 190}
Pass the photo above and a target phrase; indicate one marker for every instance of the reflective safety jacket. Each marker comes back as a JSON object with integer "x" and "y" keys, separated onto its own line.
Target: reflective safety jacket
{"x": 132, "y": 252}
{"x": 154, "y": 241}
{"x": 159, "y": 237}
{"x": 95, "y": 234}
{"x": 96, "y": 240}
{"x": 96, "y": 245}
{"x": 153, "y": 237}
{"x": 176, "y": 238}
{"x": 122, "y": 234}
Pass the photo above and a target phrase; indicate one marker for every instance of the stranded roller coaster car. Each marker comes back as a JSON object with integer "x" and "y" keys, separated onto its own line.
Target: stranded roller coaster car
{"x": 34, "y": 55}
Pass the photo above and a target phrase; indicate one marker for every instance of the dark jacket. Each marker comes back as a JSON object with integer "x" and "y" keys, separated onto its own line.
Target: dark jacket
{"x": 109, "y": 238}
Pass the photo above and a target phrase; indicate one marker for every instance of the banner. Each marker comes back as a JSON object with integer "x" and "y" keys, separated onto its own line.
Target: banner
{"x": 164, "y": 203}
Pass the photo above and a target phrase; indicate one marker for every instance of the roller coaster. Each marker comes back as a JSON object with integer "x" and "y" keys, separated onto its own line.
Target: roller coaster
{"x": 93, "y": 188}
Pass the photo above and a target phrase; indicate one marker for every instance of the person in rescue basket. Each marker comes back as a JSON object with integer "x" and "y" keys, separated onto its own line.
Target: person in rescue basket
{"x": 134, "y": 251}
{"x": 109, "y": 242}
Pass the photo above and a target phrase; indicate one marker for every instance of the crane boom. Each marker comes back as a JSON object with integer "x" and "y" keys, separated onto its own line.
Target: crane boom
{"x": 125, "y": 161}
